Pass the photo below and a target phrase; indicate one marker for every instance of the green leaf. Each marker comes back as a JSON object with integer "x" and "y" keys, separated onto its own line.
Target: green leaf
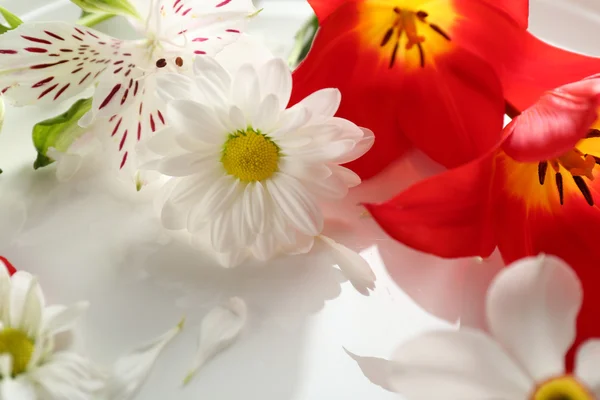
{"x": 59, "y": 132}
{"x": 3, "y": 29}
{"x": 119, "y": 7}
{"x": 12, "y": 20}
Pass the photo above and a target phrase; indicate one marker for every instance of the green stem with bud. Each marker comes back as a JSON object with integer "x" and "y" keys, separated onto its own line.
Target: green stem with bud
{"x": 303, "y": 41}
{"x": 92, "y": 19}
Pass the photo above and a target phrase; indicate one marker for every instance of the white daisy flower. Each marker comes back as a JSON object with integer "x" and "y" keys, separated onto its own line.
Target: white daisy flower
{"x": 47, "y": 62}
{"x": 248, "y": 167}
{"x": 32, "y": 366}
{"x": 532, "y": 308}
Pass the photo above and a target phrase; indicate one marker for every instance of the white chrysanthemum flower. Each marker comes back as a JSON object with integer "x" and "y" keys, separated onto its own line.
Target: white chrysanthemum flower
{"x": 47, "y": 62}
{"x": 246, "y": 166}
{"x": 32, "y": 366}
{"x": 532, "y": 308}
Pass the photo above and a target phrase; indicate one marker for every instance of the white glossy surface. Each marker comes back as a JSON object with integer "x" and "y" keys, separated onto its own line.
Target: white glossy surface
{"x": 90, "y": 239}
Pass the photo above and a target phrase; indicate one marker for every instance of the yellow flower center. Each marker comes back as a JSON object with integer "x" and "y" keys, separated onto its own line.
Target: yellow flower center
{"x": 250, "y": 156}
{"x": 19, "y": 346}
{"x": 563, "y": 388}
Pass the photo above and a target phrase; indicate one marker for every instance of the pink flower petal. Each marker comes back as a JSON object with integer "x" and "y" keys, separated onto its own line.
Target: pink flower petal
{"x": 555, "y": 123}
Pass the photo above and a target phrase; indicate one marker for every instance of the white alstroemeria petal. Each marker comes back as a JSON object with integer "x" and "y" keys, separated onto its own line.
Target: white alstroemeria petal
{"x": 219, "y": 330}
{"x": 17, "y": 389}
{"x": 353, "y": 266}
{"x": 457, "y": 365}
{"x": 12, "y": 218}
{"x": 59, "y": 318}
{"x": 267, "y": 114}
{"x": 531, "y": 308}
{"x": 377, "y": 370}
{"x": 46, "y": 62}
{"x": 296, "y": 204}
{"x": 131, "y": 371}
{"x": 323, "y": 103}
{"x": 174, "y": 87}
{"x": 245, "y": 89}
{"x": 586, "y": 365}
{"x": 276, "y": 78}
{"x": 197, "y": 120}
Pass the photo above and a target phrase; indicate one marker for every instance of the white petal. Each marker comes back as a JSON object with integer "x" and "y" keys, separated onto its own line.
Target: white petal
{"x": 377, "y": 370}
{"x": 58, "y": 318}
{"x": 67, "y": 165}
{"x": 187, "y": 164}
{"x": 26, "y": 303}
{"x": 5, "y": 289}
{"x": 254, "y": 206}
{"x": 247, "y": 49}
{"x": 174, "y": 87}
{"x": 457, "y": 365}
{"x": 223, "y": 235}
{"x": 209, "y": 68}
{"x": 237, "y": 119}
{"x": 267, "y": 115}
{"x": 197, "y": 120}
{"x": 297, "y": 205}
{"x": 323, "y": 103}
{"x": 232, "y": 259}
{"x": 6, "y": 365}
{"x": 131, "y": 371}
{"x": 245, "y": 90}
{"x": 17, "y": 389}
{"x": 350, "y": 178}
{"x": 264, "y": 247}
{"x": 531, "y": 309}
{"x": 12, "y": 218}
{"x": 354, "y": 267}
{"x": 361, "y": 147}
{"x": 291, "y": 120}
{"x": 217, "y": 197}
{"x": 219, "y": 330}
{"x": 586, "y": 365}
{"x": 276, "y": 78}
{"x": 174, "y": 216}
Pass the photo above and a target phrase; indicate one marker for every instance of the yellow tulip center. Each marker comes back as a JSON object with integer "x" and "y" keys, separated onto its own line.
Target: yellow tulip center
{"x": 563, "y": 388}
{"x": 19, "y": 346}
{"x": 250, "y": 156}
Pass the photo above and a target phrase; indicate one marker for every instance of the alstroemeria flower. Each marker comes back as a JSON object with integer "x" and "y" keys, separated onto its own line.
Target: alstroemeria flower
{"x": 248, "y": 167}
{"x": 531, "y": 309}
{"x": 32, "y": 366}
{"x": 431, "y": 74}
{"x": 47, "y": 62}
{"x": 546, "y": 204}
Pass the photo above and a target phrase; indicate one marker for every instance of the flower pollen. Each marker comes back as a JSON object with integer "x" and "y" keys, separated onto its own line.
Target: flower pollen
{"x": 250, "y": 156}
{"x": 19, "y": 346}
{"x": 563, "y": 388}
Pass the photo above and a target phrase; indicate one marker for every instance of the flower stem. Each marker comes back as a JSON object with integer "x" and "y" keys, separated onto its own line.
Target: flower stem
{"x": 303, "y": 42}
{"x": 92, "y": 19}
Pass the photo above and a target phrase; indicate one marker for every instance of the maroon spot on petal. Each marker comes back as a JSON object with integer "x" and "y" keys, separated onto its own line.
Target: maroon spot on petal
{"x": 176, "y": 2}
{"x": 127, "y": 54}
{"x": 139, "y": 133}
{"x": 141, "y": 108}
{"x": 43, "y": 82}
{"x": 8, "y": 51}
{"x": 84, "y": 46}
{"x": 124, "y": 96}
{"x": 102, "y": 43}
{"x": 66, "y": 50}
{"x": 84, "y": 78}
{"x": 62, "y": 90}
{"x": 179, "y": 8}
{"x": 186, "y": 12}
{"x": 42, "y": 66}
{"x": 116, "y": 71}
{"x": 45, "y": 92}
{"x": 199, "y": 52}
{"x": 54, "y": 35}
{"x": 124, "y": 160}
{"x": 123, "y": 139}
{"x": 80, "y": 64}
{"x": 92, "y": 35}
{"x": 76, "y": 70}
{"x": 53, "y": 55}
{"x": 78, "y": 38}
{"x": 182, "y": 32}
{"x": 162, "y": 119}
{"x": 99, "y": 72}
{"x": 127, "y": 73}
{"x": 232, "y": 30}
{"x": 118, "y": 62}
{"x": 110, "y": 96}
{"x": 152, "y": 124}
{"x": 224, "y": 3}
{"x": 80, "y": 31}
{"x": 135, "y": 90}
{"x": 200, "y": 39}
{"x": 36, "y": 40}
{"x": 114, "y": 132}
{"x": 5, "y": 89}
{"x": 35, "y": 50}
{"x": 76, "y": 58}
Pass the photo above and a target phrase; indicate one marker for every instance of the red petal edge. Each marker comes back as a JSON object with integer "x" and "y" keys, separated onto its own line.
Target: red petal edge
{"x": 9, "y": 266}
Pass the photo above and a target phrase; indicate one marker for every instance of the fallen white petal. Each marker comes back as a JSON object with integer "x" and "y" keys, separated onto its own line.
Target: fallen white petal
{"x": 355, "y": 268}
{"x": 220, "y": 328}
{"x": 131, "y": 371}
{"x": 377, "y": 370}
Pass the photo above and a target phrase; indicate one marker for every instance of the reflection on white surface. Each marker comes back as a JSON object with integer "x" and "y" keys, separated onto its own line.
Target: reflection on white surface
{"x": 88, "y": 240}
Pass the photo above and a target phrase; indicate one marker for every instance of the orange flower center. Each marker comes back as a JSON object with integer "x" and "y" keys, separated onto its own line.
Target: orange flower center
{"x": 576, "y": 163}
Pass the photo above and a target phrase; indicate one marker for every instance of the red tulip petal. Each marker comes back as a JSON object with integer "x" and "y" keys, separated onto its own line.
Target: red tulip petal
{"x": 518, "y": 10}
{"x": 555, "y": 124}
{"x": 454, "y": 111}
{"x": 369, "y": 89}
{"x": 9, "y": 266}
{"x": 447, "y": 215}
{"x": 323, "y": 8}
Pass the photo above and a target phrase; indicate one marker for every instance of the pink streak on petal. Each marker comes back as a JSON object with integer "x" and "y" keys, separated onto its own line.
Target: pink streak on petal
{"x": 555, "y": 123}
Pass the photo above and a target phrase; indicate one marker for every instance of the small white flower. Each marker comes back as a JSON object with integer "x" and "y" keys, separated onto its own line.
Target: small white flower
{"x": 532, "y": 308}
{"x": 47, "y": 62}
{"x": 31, "y": 365}
{"x": 248, "y": 167}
